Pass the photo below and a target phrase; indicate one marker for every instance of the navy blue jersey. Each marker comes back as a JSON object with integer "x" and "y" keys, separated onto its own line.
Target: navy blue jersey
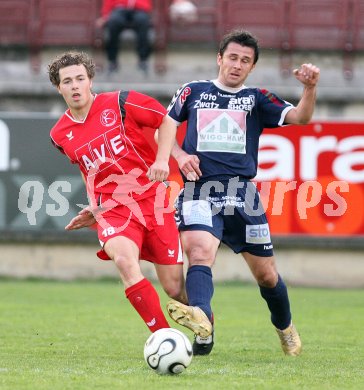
{"x": 224, "y": 125}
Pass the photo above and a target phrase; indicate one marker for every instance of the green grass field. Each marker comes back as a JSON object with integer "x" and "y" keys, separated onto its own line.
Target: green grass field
{"x": 85, "y": 335}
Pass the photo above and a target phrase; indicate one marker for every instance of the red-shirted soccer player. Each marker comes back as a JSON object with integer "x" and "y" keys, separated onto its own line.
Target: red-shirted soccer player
{"x": 103, "y": 134}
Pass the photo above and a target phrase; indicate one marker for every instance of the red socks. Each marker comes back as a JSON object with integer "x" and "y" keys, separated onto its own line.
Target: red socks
{"x": 145, "y": 300}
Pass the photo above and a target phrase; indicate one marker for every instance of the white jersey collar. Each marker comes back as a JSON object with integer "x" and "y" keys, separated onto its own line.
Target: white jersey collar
{"x": 227, "y": 89}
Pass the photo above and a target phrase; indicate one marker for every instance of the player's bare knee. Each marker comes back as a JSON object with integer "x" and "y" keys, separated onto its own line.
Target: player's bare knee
{"x": 267, "y": 278}
{"x": 199, "y": 255}
{"x": 124, "y": 264}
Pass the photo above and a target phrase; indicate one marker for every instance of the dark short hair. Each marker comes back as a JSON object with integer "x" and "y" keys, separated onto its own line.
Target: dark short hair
{"x": 241, "y": 37}
{"x": 68, "y": 59}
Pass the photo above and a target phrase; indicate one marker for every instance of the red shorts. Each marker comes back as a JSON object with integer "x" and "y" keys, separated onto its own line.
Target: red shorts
{"x": 154, "y": 231}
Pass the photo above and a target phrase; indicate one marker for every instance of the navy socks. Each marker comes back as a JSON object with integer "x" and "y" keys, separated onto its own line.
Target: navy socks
{"x": 278, "y": 304}
{"x": 200, "y": 288}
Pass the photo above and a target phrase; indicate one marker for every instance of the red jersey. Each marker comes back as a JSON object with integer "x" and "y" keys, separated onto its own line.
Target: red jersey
{"x": 109, "y": 5}
{"x": 109, "y": 145}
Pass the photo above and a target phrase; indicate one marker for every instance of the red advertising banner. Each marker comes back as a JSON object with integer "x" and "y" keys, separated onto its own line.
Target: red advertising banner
{"x": 311, "y": 178}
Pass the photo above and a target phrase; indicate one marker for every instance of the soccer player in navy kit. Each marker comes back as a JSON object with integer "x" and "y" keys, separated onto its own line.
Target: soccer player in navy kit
{"x": 103, "y": 135}
{"x": 218, "y": 159}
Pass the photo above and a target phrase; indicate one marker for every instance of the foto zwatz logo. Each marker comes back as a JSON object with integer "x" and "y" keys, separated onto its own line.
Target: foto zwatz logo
{"x": 108, "y": 117}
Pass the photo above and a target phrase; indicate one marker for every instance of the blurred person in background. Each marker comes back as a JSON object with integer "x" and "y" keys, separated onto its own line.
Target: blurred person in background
{"x": 124, "y": 177}
{"x": 117, "y": 15}
{"x": 218, "y": 158}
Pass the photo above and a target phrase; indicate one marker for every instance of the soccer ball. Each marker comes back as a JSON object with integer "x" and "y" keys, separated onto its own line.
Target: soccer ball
{"x": 168, "y": 351}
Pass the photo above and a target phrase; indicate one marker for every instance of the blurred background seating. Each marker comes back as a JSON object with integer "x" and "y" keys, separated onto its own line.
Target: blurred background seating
{"x": 284, "y": 25}
{"x": 64, "y": 23}
{"x": 17, "y": 22}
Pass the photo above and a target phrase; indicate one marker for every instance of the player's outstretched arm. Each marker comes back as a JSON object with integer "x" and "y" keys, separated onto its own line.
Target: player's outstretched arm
{"x": 85, "y": 218}
{"x": 159, "y": 170}
{"x": 308, "y": 75}
{"x": 189, "y": 164}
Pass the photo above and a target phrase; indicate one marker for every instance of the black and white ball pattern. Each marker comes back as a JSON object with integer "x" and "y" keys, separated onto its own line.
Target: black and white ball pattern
{"x": 168, "y": 351}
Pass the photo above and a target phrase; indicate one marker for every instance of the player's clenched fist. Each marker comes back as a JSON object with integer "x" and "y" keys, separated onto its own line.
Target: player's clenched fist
{"x": 307, "y": 74}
